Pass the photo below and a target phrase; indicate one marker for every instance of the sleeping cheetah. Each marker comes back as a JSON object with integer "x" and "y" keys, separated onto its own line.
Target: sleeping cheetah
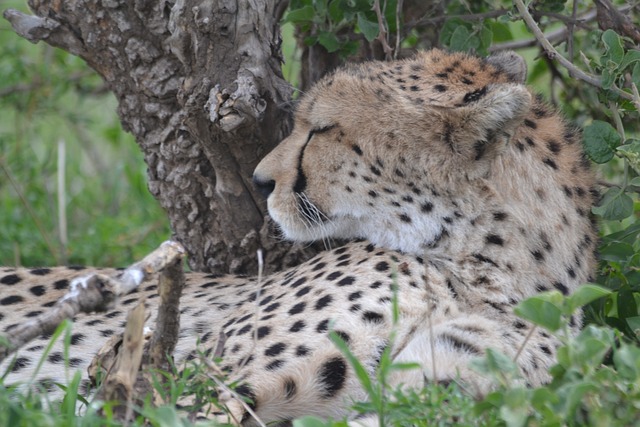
{"x": 455, "y": 184}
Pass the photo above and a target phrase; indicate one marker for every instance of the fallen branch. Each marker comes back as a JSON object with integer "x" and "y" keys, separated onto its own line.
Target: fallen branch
{"x": 92, "y": 293}
{"x": 119, "y": 384}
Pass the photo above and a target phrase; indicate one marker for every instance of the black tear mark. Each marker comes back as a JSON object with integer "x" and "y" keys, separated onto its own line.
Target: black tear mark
{"x": 475, "y": 95}
{"x": 332, "y": 376}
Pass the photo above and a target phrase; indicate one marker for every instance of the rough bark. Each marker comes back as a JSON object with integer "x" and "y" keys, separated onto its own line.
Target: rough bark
{"x": 198, "y": 84}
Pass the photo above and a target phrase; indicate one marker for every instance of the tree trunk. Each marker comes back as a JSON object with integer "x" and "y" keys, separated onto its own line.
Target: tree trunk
{"x": 199, "y": 85}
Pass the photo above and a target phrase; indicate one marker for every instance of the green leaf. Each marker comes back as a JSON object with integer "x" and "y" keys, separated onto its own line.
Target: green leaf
{"x": 369, "y": 29}
{"x": 629, "y": 58}
{"x": 584, "y": 295}
{"x": 615, "y": 49}
{"x": 462, "y": 40}
{"x": 615, "y": 205}
{"x": 600, "y": 140}
{"x": 627, "y": 361}
{"x": 336, "y": 11}
{"x": 616, "y": 252}
{"x": 329, "y": 41}
{"x": 542, "y": 310}
{"x": 301, "y": 15}
{"x": 631, "y": 151}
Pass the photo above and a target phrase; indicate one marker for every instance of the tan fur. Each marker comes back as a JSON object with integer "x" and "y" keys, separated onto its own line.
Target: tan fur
{"x": 471, "y": 194}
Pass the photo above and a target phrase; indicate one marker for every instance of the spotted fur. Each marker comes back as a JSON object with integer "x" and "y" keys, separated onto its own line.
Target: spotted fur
{"x": 457, "y": 185}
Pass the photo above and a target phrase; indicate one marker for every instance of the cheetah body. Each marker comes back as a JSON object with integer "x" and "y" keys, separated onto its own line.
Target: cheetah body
{"x": 460, "y": 188}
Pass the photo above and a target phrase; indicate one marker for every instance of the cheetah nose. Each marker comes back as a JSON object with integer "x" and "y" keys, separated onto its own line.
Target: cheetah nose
{"x": 264, "y": 186}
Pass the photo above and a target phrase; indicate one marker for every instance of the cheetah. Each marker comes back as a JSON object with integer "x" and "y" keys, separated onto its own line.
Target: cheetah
{"x": 461, "y": 194}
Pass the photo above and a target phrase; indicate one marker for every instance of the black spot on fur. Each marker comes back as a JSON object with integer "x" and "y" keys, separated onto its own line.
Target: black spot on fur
{"x": 349, "y": 280}
{"x": 561, "y": 287}
{"x": 40, "y": 271}
{"x": 475, "y": 95}
{"x": 499, "y": 216}
{"x": 11, "y": 279}
{"x": 494, "y": 239}
{"x": 382, "y": 266}
{"x": 275, "y": 349}
{"x": 276, "y": 364}
{"x": 19, "y": 364}
{"x": 530, "y": 123}
{"x": 550, "y": 163}
{"x": 426, "y": 207}
{"x": 460, "y": 345}
{"x": 332, "y": 376}
{"x": 298, "y": 308}
{"x": 405, "y": 218}
{"x": 298, "y": 326}
{"x": 37, "y": 290}
{"x": 323, "y": 302}
{"x": 485, "y": 259}
{"x": 302, "y": 350}
{"x": 357, "y": 150}
{"x": 440, "y": 88}
{"x": 553, "y": 146}
{"x": 371, "y": 316}
{"x": 538, "y": 256}
{"x": 303, "y": 291}
{"x": 323, "y": 326}
{"x": 263, "y": 331}
{"x": 77, "y": 338}
{"x": 334, "y": 275}
{"x": 12, "y": 299}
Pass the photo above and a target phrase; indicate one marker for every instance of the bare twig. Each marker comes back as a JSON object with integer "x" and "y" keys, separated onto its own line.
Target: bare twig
{"x": 398, "y": 32}
{"x": 383, "y": 33}
{"x": 95, "y": 292}
{"x": 553, "y": 54}
{"x": 165, "y": 335}
{"x": 524, "y": 342}
{"x": 553, "y": 36}
{"x": 464, "y": 17}
{"x": 237, "y": 398}
{"x": 118, "y": 386}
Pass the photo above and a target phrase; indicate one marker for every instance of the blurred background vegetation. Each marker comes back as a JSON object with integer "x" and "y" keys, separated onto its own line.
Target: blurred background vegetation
{"x": 59, "y": 124}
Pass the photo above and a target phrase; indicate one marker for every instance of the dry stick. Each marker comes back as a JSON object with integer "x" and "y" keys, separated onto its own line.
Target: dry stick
{"x": 94, "y": 292}
{"x": 119, "y": 384}
{"x": 218, "y": 372}
{"x": 552, "y": 53}
{"x": 382, "y": 34}
{"x": 165, "y": 336}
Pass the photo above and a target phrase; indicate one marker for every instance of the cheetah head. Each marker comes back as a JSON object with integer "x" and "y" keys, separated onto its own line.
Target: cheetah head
{"x": 373, "y": 144}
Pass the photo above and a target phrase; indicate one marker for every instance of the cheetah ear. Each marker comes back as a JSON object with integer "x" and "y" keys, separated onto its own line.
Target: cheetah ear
{"x": 480, "y": 126}
{"x": 511, "y": 64}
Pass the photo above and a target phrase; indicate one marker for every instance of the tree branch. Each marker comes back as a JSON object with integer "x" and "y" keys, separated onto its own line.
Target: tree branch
{"x": 92, "y": 293}
{"x": 553, "y": 54}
